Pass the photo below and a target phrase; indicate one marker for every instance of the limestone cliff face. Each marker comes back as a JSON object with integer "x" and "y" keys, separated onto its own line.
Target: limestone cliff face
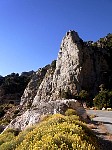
{"x": 68, "y": 67}
{"x": 45, "y": 90}
{"x": 39, "y": 85}
{"x": 80, "y": 66}
{"x": 66, "y": 73}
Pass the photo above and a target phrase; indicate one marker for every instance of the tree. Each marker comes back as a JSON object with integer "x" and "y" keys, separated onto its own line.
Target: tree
{"x": 103, "y": 99}
{"x": 66, "y": 94}
{"x": 109, "y": 102}
{"x": 84, "y": 97}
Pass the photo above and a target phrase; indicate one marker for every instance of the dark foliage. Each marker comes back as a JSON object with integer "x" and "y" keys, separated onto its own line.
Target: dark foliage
{"x": 2, "y": 112}
{"x": 103, "y": 99}
{"x": 12, "y": 86}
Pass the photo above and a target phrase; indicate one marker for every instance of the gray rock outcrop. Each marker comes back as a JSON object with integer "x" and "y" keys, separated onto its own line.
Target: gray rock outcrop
{"x": 32, "y": 87}
{"x": 32, "y": 116}
{"x": 66, "y": 72}
{"x": 39, "y": 81}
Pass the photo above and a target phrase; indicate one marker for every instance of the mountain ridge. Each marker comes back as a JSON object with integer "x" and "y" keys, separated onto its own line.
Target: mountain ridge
{"x": 80, "y": 66}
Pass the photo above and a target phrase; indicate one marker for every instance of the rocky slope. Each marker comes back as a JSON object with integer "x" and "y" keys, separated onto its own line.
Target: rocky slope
{"x": 34, "y": 115}
{"x": 79, "y": 66}
{"x": 33, "y": 86}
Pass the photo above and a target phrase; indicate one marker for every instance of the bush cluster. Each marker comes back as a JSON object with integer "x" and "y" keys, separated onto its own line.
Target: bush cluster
{"x": 103, "y": 99}
{"x": 58, "y": 132}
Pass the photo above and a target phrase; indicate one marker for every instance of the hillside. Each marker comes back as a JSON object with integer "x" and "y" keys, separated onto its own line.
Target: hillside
{"x": 12, "y": 87}
{"x": 81, "y": 72}
{"x": 78, "y": 73}
{"x": 12, "y": 90}
{"x": 53, "y": 132}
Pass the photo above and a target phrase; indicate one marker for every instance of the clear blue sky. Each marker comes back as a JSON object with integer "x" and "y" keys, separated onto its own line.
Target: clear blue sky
{"x": 31, "y": 30}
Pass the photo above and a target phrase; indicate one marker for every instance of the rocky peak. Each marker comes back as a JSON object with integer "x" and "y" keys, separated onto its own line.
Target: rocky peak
{"x": 70, "y": 37}
{"x": 67, "y": 70}
{"x": 73, "y": 35}
{"x": 79, "y": 66}
{"x": 68, "y": 65}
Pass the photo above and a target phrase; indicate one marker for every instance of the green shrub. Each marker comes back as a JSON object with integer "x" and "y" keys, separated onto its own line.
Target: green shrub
{"x": 66, "y": 94}
{"x": 13, "y": 131}
{"x": 5, "y": 121}
{"x": 70, "y": 112}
